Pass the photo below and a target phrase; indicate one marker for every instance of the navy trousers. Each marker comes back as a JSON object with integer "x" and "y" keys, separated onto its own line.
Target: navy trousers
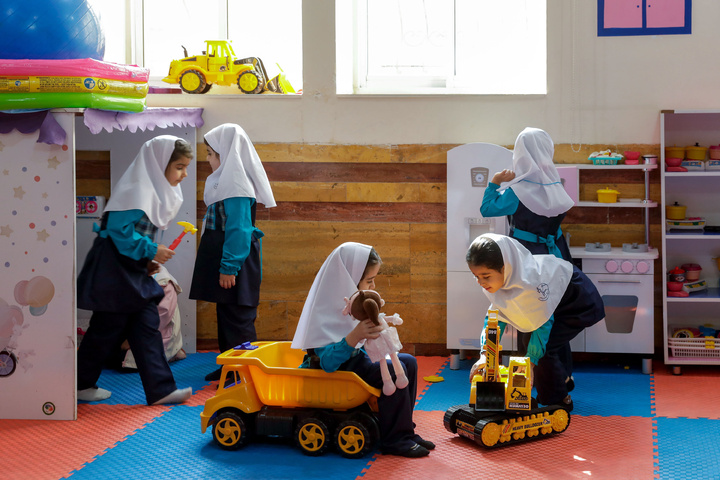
{"x": 236, "y": 325}
{"x": 395, "y": 412}
{"x": 106, "y": 333}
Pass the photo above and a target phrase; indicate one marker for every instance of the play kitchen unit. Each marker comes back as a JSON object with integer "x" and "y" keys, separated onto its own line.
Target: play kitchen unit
{"x": 691, "y": 236}
{"x": 623, "y": 275}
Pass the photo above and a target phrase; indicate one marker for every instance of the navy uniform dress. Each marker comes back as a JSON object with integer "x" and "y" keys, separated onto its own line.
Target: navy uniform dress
{"x": 539, "y": 234}
{"x": 580, "y": 307}
{"x": 230, "y": 245}
{"x": 114, "y": 284}
{"x": 397, "y": 430}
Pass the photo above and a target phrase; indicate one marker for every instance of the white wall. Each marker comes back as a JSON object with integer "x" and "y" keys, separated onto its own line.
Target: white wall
{"x": 600, "y": 90}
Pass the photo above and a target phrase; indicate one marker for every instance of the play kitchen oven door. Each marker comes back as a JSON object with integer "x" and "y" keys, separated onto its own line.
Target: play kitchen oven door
{"x": 626, "y": 287}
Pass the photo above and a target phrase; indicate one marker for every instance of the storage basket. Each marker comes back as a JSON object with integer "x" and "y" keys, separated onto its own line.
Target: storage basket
{"x": 712, "y": 165}
{"x": 605, "y": 160}
{"x": 695, "y": 347}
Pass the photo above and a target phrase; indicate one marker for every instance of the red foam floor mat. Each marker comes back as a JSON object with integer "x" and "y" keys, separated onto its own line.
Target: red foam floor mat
{"x": 39, "y": 449}
{"x": 691, "y": 394}
{"x": 592, "y": 447}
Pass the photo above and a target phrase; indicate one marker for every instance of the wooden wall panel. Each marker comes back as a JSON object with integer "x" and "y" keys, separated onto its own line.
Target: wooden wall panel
{"x": 92, "y": 172}
{"x": 393, "y": 197}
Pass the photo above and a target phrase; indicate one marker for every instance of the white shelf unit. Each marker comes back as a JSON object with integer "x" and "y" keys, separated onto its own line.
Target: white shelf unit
{"x": 698, "y": 190}
{"x": 645, "y": 203}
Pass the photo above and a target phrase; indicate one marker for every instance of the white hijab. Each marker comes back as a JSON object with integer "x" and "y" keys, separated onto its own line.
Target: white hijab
{"x": 537, "y": 183}
{"x": 241, "y": 173}
{"x": 144, "y": 187}
{"x": 322, "y": 321}
{"x": 533, "y": 284}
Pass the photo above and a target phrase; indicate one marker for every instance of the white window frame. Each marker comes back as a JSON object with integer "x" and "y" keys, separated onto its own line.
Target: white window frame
{"x": 366, "y": 84}
{"x": 135, "y": 52}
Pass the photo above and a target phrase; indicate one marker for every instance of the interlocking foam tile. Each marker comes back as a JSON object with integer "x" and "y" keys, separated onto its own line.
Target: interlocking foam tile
{"x": 611, "y": 391}
{"x": 127, "y": 388}
{"x": 687, "y": 395}
{"x": 428, "y": 366}
{"x": 591, "y": 447}
{"x": 44, "y": 449}
{"x": 688, "y": 448}
{"x": 172, "y": 447}
{"x": 455, "y": 390}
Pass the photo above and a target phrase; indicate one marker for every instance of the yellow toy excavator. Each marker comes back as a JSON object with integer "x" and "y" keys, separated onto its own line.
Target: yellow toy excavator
{"x": 501, "y": 409}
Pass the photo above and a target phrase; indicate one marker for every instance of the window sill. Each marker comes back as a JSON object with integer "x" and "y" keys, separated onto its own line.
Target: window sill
{"x": 223, "y": 96}
{"x": 444, "y": 94}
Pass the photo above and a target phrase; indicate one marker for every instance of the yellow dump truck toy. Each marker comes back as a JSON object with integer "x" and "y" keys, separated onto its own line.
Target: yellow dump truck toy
{"x": 263, "y": 392}
{"x": 501, "y": 409}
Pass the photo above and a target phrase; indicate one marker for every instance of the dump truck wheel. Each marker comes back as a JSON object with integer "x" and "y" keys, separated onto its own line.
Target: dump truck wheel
{"x": 371, "y": 424}
{"x": 230, "y": 431}
{"x": 7, "y": 363}
{"x": 250, "y": 82}
{"x": 312, "y": 436}
{"x": 207, "y": 88}
{"x": 353, "y": 439}
{"x": 192, "y": 81}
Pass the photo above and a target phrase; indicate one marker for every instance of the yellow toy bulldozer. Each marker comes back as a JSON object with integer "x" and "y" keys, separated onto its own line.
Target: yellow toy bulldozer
{"x": 501, "y": 409}
{"x": 218, "y": 65}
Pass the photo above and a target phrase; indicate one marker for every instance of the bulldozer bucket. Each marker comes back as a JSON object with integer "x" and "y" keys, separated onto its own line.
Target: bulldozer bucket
{"x": 489, "y": 396}
{"x": 280, "y": 84}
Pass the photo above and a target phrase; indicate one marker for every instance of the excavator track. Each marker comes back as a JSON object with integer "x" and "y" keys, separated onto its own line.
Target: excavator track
{"x": 493, "y": 429}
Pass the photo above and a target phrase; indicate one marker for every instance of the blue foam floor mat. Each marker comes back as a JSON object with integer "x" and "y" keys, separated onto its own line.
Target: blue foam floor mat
{"x": 688, "y": 448}
{"x": 170, "y": 456}
{"x": 127, "y": 388}
{"x": 599, "y": 390}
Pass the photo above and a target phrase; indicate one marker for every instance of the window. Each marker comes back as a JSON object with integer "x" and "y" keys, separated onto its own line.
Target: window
{"x": 157, "y": 30}
{"x": 441, "y": 46}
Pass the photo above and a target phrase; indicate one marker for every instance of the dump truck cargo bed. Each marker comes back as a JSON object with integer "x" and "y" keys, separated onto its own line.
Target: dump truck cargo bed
{"x": 273, "y": 370}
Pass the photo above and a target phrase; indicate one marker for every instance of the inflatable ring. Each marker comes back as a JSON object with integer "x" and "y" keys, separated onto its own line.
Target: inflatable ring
{"x": 34, "y": 84}
{"x": 81, "y": 83}
{"x": 25, "y": 101}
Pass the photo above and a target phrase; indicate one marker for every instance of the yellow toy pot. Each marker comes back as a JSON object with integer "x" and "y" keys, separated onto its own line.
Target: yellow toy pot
{"x": 607, "y": 195}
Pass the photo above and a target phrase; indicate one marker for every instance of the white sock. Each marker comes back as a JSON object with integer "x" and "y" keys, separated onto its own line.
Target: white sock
{"x": 178, "y": 396}
{"x": 93, "y": 394}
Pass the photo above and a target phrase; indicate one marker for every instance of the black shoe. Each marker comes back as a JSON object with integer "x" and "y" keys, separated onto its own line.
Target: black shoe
{"x": 567, "y": 404}
{"x": 416, "y": 451}
{"x": 427, "y": 444}
{"x": 214, "y": 375}
{"x": 570, "y": 383}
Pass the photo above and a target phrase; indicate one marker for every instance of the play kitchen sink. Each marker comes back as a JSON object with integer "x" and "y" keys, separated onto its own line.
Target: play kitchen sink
{"x": 597, "y": 247}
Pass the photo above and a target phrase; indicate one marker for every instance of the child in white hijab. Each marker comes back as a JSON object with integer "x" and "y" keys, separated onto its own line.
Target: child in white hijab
{"x": 115, "y": 281}
{"x": 228, "y": 266}
{"x": 334, "y": 341}
{"x": 531, "y": 195}
{"x": 547, "y": 299}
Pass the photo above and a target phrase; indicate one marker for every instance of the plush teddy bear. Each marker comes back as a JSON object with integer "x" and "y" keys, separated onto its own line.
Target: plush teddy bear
{"x": 365, "y": 304}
